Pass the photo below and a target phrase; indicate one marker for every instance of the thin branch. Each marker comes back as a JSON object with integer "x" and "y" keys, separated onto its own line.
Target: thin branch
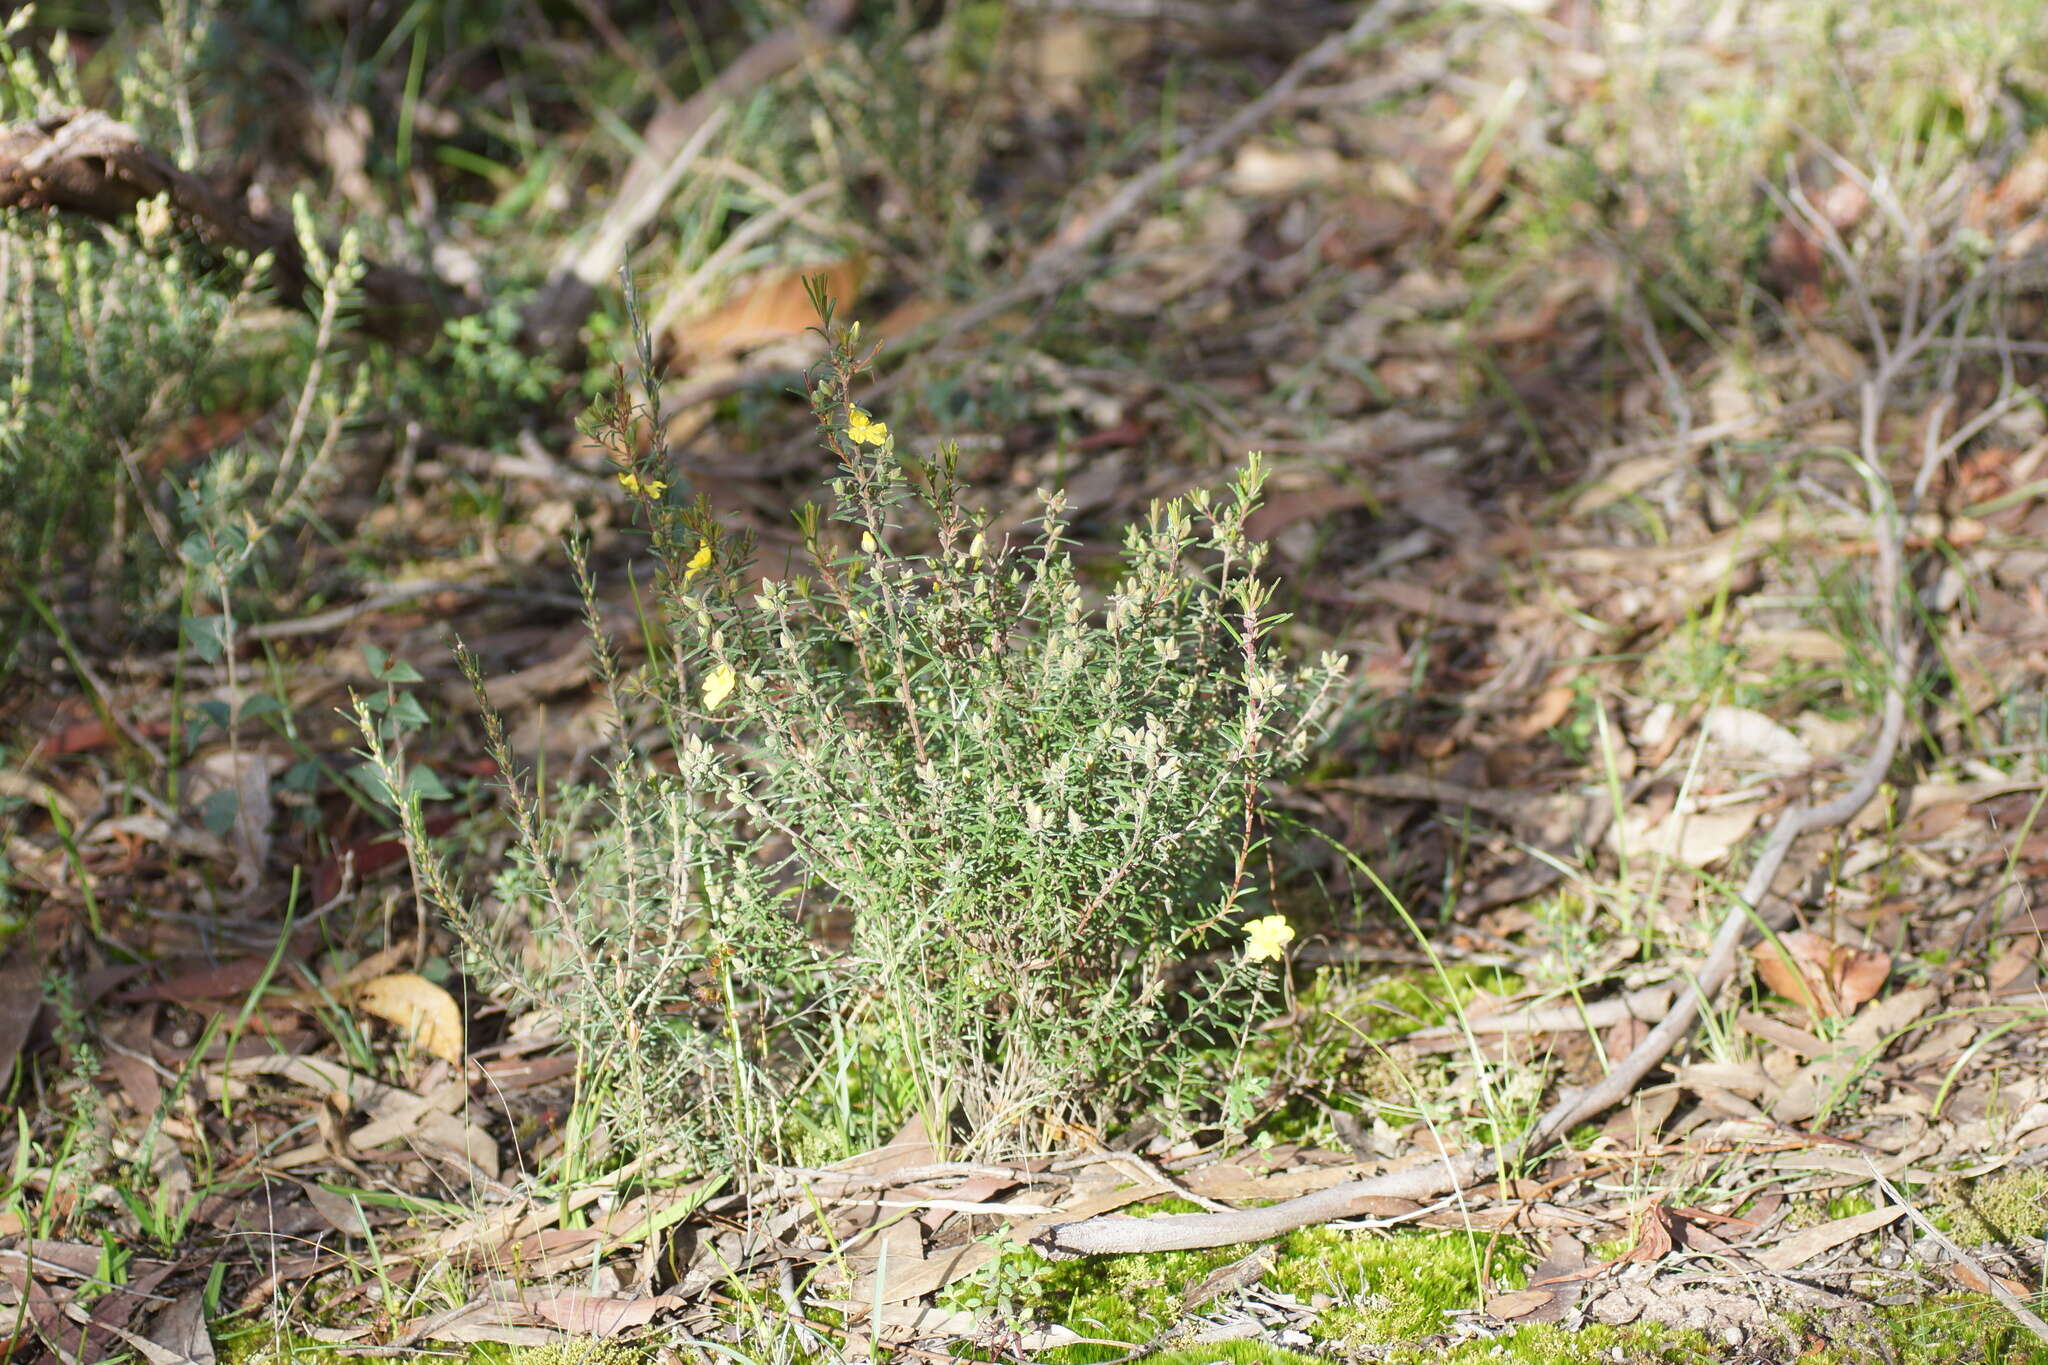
{"x": 2013, "y": 1303}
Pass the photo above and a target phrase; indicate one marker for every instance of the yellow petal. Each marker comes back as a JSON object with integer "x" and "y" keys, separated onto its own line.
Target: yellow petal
{"x": 1267, "y": 938}
{"x": 699, "y": 562}
{"x": 863, "y": 429}
{"x": 719, "y": 686}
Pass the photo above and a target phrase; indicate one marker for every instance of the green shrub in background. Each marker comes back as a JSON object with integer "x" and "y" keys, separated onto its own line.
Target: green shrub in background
{"x": 106, "y": 341}
{"x": 115, "y": 339}
{"x": 934, "y": 831}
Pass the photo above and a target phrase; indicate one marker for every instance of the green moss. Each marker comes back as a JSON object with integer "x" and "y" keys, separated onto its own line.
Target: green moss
{"x": 1381, "y": 1289}
{"x": 1233, "y": 1353}
{"x": 1398, "y": 1005}
{"x": 2008, "y": 1208}
{"x": 579, "y": 1351}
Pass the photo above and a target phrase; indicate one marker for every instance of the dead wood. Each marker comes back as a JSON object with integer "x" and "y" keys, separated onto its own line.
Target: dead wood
{"x": 84, "y": 161}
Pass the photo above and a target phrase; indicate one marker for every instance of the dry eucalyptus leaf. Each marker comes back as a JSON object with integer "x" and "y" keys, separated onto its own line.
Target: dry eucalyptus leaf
{"x": 599, "y": 1315}
{"x": 1519, "y": 1304}
{"x": 427, "y": 1014}
{"x": 1801, "y": 1247}
{"x": 1750, "y": 738}
{"x": 1694, "y": 838}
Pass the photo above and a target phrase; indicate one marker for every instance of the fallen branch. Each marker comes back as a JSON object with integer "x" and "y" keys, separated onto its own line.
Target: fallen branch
{"x": 84, "y": 161}
{"x": 1652, "y": 1002}
{"x": 2015, "y": 1305}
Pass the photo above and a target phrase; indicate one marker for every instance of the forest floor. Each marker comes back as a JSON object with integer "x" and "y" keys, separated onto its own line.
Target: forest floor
{"x": 1652, "y": 424}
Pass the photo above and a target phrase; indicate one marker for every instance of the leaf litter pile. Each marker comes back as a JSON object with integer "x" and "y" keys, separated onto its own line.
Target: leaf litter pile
{"x": 1670, "y": 901}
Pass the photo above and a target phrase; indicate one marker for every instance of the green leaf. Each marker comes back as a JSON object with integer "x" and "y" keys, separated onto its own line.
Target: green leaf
{"x": 208, "y": 635}
{"x": 423, "y": 783}
{"x": 218, "y": 811}
{"x": 371, "y": 779}
{"x": 407, "y": 713}
{"x": 303, "y": 776}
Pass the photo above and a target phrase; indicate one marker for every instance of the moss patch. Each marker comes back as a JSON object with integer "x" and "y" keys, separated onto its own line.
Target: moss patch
{"x": 2009, "y": 1208}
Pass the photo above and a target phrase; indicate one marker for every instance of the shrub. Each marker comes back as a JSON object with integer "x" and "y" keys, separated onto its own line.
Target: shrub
{"x": 934, "y": 830}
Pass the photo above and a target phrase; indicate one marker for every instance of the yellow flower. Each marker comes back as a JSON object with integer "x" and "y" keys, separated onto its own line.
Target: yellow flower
{"x": 864, "y": 430}
{"x": 719, "y": 686}
{"x": 642, "y": 488}
{"x": 1267, "y": 939}
{"x": 699, "y": 562}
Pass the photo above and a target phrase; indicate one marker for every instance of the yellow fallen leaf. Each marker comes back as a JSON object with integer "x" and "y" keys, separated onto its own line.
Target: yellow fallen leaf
{"x": 423, "y": 1010}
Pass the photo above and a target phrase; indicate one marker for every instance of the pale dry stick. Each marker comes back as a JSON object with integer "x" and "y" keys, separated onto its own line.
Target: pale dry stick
{"x": 789, "y": 204}
{"x": 1652, "y": 1002}
{"x": 1793, "y": 202}
{"x": 670, "y": 142}
{"x": 1724, "y": 430}
{"x": 1145, "y": 1170}
{"x": 320, "y": 623}
{"x": 2013, "y": 1303}
{"x": 1940, "y": 449}
{"x": 1674, "y": 388}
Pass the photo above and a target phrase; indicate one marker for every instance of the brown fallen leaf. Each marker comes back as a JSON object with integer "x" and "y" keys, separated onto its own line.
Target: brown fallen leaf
{"x": 1655, "y": 1235}
{"x": 1976, "y": 1281}
{"x": 770, "y": 306}
{"x": 1825, "y": 978}
{"x": 1240, "y": 1274}
{"x": 1803, "y": 1246}
{"x": 21, "y": 999}
{"x": 601, "y": 1315}
{"x": 1519, "y": 1304}
{"x": 1694, "y": 838}
{"x": 1550, "y": 708}
{"x": 181, "y": 1329}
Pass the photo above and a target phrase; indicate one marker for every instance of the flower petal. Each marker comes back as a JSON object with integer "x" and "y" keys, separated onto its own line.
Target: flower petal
{"x": 719, "y": 686}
